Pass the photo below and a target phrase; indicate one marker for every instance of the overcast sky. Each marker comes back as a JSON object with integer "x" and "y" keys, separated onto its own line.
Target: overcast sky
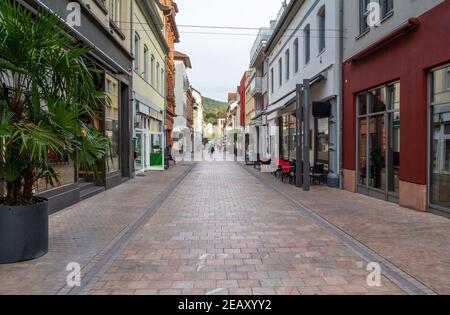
{"x": 219, "y": 61}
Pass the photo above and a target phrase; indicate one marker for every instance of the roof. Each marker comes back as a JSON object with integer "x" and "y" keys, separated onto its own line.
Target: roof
{"x": 181, "y": 56}
{"x": 288, "y": 15}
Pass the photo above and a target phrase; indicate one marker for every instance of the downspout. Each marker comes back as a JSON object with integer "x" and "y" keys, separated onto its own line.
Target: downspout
{"x": 340, "y": 85}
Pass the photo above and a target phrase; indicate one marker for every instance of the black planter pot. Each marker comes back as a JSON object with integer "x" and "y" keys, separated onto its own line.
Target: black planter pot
{"x": 23, "y": 231}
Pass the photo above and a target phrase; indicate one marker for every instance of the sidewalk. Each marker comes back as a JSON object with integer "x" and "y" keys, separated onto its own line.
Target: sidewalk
{"x": 418, "y": 243}
{"x": 82, "y": 233}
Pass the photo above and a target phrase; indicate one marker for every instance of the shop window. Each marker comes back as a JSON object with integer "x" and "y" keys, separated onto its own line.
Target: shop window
{"x": 322, "y": 141}
{"x": 112, "y": 121}
{"x": 440, "y": 151}
{"x": 378, "y": 139}
{"x": 63, "y": 166}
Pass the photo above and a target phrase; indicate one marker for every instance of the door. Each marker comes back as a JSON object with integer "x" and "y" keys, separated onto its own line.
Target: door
{"x": 378, "y": 142}
{"x": 156, "y": 151}
{"x": 139, "y": 154}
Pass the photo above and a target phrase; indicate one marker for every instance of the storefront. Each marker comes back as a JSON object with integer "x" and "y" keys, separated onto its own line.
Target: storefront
{"x": 149, "y": 140}
{"x": 378, "y": 142}
{"x": 396, "y": 115}
{"x": 439, "y": 153}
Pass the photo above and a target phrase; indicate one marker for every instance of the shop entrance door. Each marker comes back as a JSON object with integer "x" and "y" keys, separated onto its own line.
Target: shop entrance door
{"x": 156, "y": 151}
{"x": 378, "y": 142}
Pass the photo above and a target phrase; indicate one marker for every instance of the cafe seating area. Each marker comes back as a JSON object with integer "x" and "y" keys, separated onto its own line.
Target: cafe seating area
{"x": 286, "y": 172}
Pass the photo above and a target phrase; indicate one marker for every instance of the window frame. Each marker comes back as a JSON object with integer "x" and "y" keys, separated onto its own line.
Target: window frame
{"x": 280, "y": 71}
{"x": 321, "y": 16}
{"x": 307, "y": 44}
{"x": 146, "y": 53}
{"x": 287, "y": 56}
{"x": 296, "y": 55}
{"x": 137, "y": 55}
{"x": 272, "y": 80}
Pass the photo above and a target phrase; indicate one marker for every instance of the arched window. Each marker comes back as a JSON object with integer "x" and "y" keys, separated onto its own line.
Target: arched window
{"x": 321, "y": 23}
{"x": 280, "y": 72}
{"x": 288, "y": 64}
{"x": 307, "y": 38}
{"x": 152, "y": 70}
{"x": 145, "y": 63}
{"x": 137, "y": 47}
{"x": 296, "y": 55}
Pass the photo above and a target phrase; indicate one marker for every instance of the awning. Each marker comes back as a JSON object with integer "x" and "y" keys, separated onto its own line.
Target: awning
{"x": 282, "y": 102}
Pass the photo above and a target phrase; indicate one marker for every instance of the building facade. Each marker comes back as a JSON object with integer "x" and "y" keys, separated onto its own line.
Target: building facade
{"x": 396, "y": 115}
{"x": 198, "y": 120}
{"x": 305, "y": 45}
{"x": 258, "y": 139}
{"x": 149, "y": 81}
{"x": 169, "y": 10}
{"x": 183, "y": 122}
{"x": 102, "y": 29}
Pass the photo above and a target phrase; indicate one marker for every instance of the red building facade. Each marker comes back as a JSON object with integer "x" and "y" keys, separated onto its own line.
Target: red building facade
{"x": 382, "y": 156}
{"x": 170, "y": 9}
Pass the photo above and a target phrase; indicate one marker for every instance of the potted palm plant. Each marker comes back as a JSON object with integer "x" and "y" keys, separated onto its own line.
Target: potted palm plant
{"x": 48, "y": 101}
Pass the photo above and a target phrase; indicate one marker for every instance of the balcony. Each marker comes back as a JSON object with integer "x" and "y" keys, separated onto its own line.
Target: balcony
{"x": 261, "y": 40}
{"x": 256, "y": 86}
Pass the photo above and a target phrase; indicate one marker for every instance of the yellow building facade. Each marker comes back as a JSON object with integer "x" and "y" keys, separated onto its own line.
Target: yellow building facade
{"x": 150, "y": 51}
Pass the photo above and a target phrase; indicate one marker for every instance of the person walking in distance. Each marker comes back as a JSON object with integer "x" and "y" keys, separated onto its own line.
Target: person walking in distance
{"x": 212, "y": 151}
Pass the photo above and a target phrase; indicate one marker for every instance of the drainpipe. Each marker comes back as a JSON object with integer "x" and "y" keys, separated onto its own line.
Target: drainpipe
{"x": 340, "y": 85}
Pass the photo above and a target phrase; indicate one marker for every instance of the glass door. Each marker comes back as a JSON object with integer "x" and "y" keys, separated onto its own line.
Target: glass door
{"x": 440, "y": 139}
{"x": 156, "y": 151}
{"x": 378, "y": 142}
{"x": 139, "y": 158}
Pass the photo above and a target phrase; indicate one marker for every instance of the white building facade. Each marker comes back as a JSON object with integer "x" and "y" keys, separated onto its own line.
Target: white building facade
{"x": 306, "y": 45}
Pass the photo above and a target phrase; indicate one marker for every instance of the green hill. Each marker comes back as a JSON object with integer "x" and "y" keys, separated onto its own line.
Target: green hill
{"x": 213, "y": 109}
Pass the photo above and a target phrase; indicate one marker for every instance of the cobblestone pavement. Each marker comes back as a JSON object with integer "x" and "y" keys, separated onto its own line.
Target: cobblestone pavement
{"x": 82, "y": 232}
{"x": 222, "y": 231}
{"x": 416, "y": 242}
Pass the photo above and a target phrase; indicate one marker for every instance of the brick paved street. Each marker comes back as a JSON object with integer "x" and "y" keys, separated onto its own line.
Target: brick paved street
{"x": 223, "y": 232}
{"x": 80, "y": 233}
{"x": 227, "y": 229}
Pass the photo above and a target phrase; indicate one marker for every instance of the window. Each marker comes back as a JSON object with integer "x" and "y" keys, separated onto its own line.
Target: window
{"x": 115, "y": 11}
{"x": 112, "y": 122}
{"x": 280, "y": 72}
{"x": 157, "y": 76}
{"x": 145, "y": 63}
{"x": 363, "y": 14}
{"x": 447, "y": 79}
{"x": 386, "y": 7}
{"x": 439, "y": 167}
{"x": 137, "y": 47}
{"x": 307, "y": 36}
{"x": 162, "y": 81}
{"x": 152, "y": 70}
{"x": 296, "y": 55}
{"x": 321, "y": 18}
{"x": 378, "y": 139}
{"x": 272, "y": 80}
{"x": 288, "y": 64}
